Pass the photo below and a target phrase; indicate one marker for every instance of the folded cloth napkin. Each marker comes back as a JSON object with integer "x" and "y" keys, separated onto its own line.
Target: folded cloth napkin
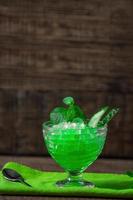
{"x": 43, "y": 183}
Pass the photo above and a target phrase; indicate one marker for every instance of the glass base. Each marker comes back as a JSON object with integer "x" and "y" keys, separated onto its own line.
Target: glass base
{"x": 66, "y": 183}
{"x": 74, "y": 180}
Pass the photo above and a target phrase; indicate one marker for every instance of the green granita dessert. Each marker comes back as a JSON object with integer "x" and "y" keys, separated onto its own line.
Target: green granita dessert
{"x": 74, "y": 141}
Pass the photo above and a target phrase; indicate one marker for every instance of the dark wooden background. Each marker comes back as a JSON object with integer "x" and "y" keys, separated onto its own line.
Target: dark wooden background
{"x": 54, "y": 48}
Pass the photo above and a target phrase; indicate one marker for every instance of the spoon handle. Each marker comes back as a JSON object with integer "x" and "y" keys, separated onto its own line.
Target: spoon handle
{"x": 25, "y": 183}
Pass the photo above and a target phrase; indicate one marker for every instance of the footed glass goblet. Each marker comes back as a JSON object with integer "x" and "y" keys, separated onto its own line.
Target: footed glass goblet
{"x": 74, "y": 146}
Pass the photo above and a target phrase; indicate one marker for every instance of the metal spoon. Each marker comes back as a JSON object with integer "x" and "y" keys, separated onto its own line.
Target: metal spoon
{"x": 14, "y": 176}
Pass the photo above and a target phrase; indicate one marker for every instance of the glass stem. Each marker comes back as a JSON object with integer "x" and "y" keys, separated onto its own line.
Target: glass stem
{"x": 74, "y": 177}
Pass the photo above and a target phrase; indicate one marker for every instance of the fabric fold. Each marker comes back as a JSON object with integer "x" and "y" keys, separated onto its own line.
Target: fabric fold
{"x": 43, "y": 183}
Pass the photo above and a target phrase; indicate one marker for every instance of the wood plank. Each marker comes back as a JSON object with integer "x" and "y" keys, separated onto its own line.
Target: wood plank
{"x": 8, "y": 116}
{"x": 65, "y": 82}
{"x": 49, "y": 198}
{"x": 67, "y": 71}
{"x": 71, "y": 82}
{"x": 25, "y": 60}
{"x": 32, "y": 54}
{"x": 50, "y": 50}
{"x": 121, "y": 25}
{"x": 26, "y": 67}
{"x": 69, "y": 20}
{"x": 23, "y": 112}
{"x": 48, "y": 164}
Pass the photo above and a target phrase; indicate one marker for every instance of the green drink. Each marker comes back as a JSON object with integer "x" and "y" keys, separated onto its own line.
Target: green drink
{"x": 74, "y": 141}
{"x": 74, "y": 146}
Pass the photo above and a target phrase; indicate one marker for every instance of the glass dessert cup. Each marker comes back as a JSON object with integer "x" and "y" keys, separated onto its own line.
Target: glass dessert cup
{"x": 74, "y": 146}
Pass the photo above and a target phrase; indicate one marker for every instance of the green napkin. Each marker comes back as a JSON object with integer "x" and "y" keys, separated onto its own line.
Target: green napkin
{"x": 43, "y": 183}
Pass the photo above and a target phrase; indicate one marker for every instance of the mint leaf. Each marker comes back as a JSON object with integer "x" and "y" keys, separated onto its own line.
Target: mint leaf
{"x": 78, "y": 120}
{"x": 61, "y": 114}
{"x": 58, "y": 115}
{"x": 74, "y": 111}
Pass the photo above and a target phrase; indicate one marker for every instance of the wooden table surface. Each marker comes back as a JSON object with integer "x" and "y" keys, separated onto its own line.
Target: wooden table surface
{"x": 47, "y": 164}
